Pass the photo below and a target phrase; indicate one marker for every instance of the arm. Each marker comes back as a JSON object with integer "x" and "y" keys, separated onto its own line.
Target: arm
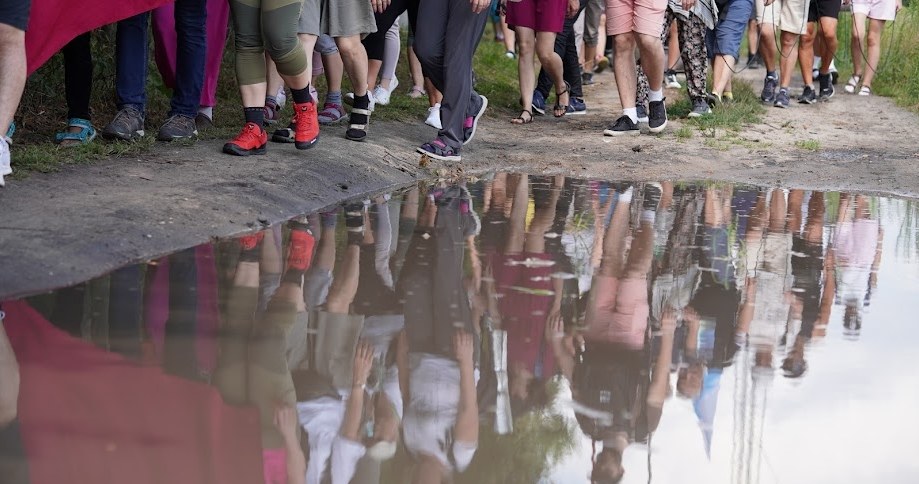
{"x": 467, "y": 417}
{"x": 660, "y": 374}
{"x": 363, "y": 361}
{"x": 562, "y": 346}
{"x": 9, "y": 380}
{"x": 285, "y": 420}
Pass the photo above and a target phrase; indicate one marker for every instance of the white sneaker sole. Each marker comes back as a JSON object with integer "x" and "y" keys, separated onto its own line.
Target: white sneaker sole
{"x": 439, "y": 157}
{"x": 616, "y": 134}
{"x": 659, "y": 129}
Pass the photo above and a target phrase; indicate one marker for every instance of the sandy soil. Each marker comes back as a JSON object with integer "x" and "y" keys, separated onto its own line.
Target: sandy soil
{"x": 61, "y": 228}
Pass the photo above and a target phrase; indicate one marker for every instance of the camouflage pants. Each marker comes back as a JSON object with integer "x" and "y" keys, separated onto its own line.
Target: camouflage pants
{"x": 692, "y": 49}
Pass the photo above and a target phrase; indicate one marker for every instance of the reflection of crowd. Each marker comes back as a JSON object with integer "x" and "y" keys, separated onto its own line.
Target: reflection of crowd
{"x": 360, "y": 335}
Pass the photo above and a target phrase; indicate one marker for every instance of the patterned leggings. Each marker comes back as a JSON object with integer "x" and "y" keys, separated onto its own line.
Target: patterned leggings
{"x": 692, "y": 49}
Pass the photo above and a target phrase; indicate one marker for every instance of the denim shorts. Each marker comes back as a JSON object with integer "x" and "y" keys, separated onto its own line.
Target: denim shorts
{"x": 15, "y": 13}
{"x": 729, "y": 32}
{"x": 325, "y": 45}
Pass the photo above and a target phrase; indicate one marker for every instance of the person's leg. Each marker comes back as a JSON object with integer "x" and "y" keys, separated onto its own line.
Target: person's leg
{"x": 415, "y": 69}
{"x": 78, "y": 76}
{"x": 859, "y": 47}
{"x": 526, "y": 46}
{"x": 806, "y": 54}
{"x": 624, "y": 65}
{"x": 673, "y": 46}
{"x": 131, "y": 62}
{"x": 592, "y": 25}
{"x": 552, "y": 63}
{"x": 218, "y": 13}
{"x": 753, "y": 38}
{"x": 354, "y": 58}
{"x": 790, "y": 42}
{"x": 695, "y": 55}
{"x": 164, "y": 42}
{"x": 391, "y": 57}
{"x": 875, "y": 29}
{"x": 829, "y": 42}
{"x": 377, "y": 43}
{"x": 191, "y": 38}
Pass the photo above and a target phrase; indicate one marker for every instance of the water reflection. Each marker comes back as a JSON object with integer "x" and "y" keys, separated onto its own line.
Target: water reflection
{"x": 519, "y": 329}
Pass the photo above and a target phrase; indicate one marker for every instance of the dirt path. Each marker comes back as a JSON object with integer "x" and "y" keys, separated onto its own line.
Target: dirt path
{"x": 61, "y": 228}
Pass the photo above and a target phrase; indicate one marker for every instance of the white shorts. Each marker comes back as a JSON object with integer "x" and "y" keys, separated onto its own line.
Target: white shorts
{"x": 785, "y": 15}
{"x": 876, "y": 9}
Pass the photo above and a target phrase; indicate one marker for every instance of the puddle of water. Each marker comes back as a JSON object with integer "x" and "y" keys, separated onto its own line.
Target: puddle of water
{"x": 521, "y": 329}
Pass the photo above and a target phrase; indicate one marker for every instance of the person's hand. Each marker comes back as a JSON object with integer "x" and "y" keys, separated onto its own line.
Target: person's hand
{"x": 668, "y": 321}
{"x": 380, "y": 6}
{"x": 463, "y": 347}
{"x": 573, "y": 7}
{"x": 688, "y": 4}
{"x": 555, "y": 325}
{"x": 479, "y": 6}
{"x": 285, "y": 420}
{"x": 363, "y": 362}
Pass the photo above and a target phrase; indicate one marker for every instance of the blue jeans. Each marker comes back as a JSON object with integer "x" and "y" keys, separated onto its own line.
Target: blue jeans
{"x": 131, "y": 59}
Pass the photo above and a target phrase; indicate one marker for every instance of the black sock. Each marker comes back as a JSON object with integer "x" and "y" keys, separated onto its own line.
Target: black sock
{"x": 302, "y": 95}
{"x": 255, "y": 115}
{"x": 360, "y": 102}
{"x": 251, "y": 255}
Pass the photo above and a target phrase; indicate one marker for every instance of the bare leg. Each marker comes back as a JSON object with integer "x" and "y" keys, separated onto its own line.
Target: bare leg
{"x": 767, "y": 48}
{"x": 829, "y": 42}
{"x": 859, "y": 43}
{"x": 13, "y": 67}
{"x": 354, "y": 58}
{"x": 624, "y": 66}
{"x": 526, "y": 42}
{"x": 673, "y": 51}
{"x": 875, "y": 29}
{"x": 789, "y": 58}
{"x": 806, "y": 54}
{"x": 552, "y": 63}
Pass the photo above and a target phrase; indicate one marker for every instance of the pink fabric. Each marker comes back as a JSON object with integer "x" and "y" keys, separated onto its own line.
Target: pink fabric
{"x": 164, "y": 35}
{"x": 639, "y": 16}
{"x": 618, "y": 311}
{"x": 538, "y": 15}
{"x": 54, "y": 23}
{"x": 88, "y": 415}
{"x": 274, "y": 466}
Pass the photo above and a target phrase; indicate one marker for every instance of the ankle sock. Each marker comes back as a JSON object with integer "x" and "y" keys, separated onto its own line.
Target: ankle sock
{"x": 654, "y": 96}
{"x": 333, "y": 97}
{"x": 255, "y": 115}
{"x": 301, "y": 95}
{"x": 207, "y": 111}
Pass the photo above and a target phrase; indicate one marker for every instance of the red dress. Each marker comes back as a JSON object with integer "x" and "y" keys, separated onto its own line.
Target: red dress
{"x": 539, "y": 15}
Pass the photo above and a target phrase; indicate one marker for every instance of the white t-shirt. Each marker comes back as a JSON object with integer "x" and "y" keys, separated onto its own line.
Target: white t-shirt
{"x": 322, "y": 419}
{"x": 432, "y": 409}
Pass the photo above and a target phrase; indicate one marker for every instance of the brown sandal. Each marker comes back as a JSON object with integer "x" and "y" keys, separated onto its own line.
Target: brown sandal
{"x": 523, "y": 120}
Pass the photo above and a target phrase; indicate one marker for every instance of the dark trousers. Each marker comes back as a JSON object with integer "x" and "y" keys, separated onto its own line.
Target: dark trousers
{"x": 78, "y": 76}
{"x": 445, "y": 41}
{"x": 566, "y": 47}
{"x": 375, "y": 43}
{"x": 131, "y": 58}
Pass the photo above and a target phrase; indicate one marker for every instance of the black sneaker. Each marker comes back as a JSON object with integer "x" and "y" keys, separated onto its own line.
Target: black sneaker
{"x": 652, "y": 196}
{"x": 657, "y": 120}
{"x": 809, "y": 96}
{"x": 127, "y": 125}
{"x": 782, "y": 99}
{"x": 178, "y": 127}
{"x": 622, "y": 126}
{"x": 768, "y": 95}
{"x": 826, "y": 87}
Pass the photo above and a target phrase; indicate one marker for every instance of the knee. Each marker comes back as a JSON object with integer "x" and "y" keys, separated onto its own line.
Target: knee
{"x": 545, "y": 54}
{"x": 279, "y": 45}
{"x": 526, "y": 46}
{"x": 624, "y": 42}
{"x": 874, "y": 39}
{"x": 348, "y": 46}
{"x": 829, "y": 38}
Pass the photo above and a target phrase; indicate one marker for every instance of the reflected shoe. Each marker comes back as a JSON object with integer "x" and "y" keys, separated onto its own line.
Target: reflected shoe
{"x": 472, "y": 122}
{"x": 700, "y": 108}
{"x": 331, "y": 114}
{"x": 671, "y": 81}
{"x": 128, "y": 125}
{"x": 576, "y": 106}
{"x": 300, "y": 251}
{"x": 178, "y": 127}
{"x": 809, "y": 96}
{"x": 439, "y": 150}
{"x": 306, "y": 131}
{"x": 252, "y": 140}
{"x": 587, "y": 78}
{"x": 539, "y": 103}
{"x": 642, "y": 114}
{"x": 433, "y": 119}
{"x": 782, "y": 99}
{"x": 622, "y": 126}
{"x": 652, "y": 196}
{"x": 251, "y": 242}
{"x": 657, "y": 120}
{"x": 769, "y": 87}
{"x": 826, "y": 87}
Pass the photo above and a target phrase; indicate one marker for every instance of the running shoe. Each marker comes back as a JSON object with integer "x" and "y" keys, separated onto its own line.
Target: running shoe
{"x": 178, "y": 127}
{"x": 433, "y": 119}
{"x": 381, "y": 94}
{"x": 127, "y": 125}
{"x": 472, "y": 122}
{"x": 809, "y": 96}
{"x": 622, "y": 126}
{"x": 769, "y": 87}
{"x": 700, "y": 108}
{"x": 539, "y": 103}
{"x": 587, "y": 78}
{"x": 671, "y": 81}
{"x": 576, "y": 106}
{"x": 657, "y": 121}
{"x": 306, "y": 132}
{"x": 252, "y": 140}
{"x": 826, "y": 87}
{"x": 782, "y": 100}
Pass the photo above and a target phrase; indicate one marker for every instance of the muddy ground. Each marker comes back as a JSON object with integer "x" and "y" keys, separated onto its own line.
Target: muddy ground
{"x": 61, "y": 228}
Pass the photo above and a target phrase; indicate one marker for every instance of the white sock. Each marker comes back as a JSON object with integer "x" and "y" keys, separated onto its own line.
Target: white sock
{"x": 648, "y": 216}
{"x": 656, "y": 96}
{"x": 632, "y": 113}
{"x": 626, "y": 196}
{"x": 833, "y": 65}
{"x": 816, "y": 62}
{"x": 207, "y": 111}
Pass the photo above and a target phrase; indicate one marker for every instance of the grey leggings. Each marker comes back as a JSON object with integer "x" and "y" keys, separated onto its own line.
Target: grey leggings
{"x": 270, "y": 25}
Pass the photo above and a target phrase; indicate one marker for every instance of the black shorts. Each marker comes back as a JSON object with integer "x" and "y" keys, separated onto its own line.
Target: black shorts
{"x": 823, "y": 8}
{"x": 15, "y": 13}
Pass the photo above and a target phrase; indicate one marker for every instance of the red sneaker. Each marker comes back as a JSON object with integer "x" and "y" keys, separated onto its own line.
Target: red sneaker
{"x": 250, "y": 141}
{"x": 300, "y": 252}
{"x": 306, "y": 132}
{"x": 251, "y": 241}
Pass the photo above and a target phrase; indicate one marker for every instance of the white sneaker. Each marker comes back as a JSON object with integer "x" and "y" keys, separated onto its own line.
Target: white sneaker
{"x": 393, "y": 84}
{"x": 381, "y": 94}
{"x": 281, "y": 96}
{"x": 434, "y": 117}
{"x": 671, "y": 81}
{"x": 5, "y": 168}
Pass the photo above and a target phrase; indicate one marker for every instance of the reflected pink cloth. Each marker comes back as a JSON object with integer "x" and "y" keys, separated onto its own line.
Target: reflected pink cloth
{"x": 164, "y": 36}
{"x": 91, "y": 416}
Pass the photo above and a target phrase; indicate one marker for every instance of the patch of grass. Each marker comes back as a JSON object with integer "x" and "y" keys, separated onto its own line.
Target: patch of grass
{"x": 808, "y": 144}
{"x": 685, "y": 132}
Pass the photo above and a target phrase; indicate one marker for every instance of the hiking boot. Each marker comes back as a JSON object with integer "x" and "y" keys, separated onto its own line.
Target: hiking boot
{"x": 809, "y": 96}
{"x": 671, "y": 81}
{"x": 782, "y": 100}
{"x": 576, "y": 106}
{"x": 250, "y": 141}
{"x": 622, "y": 126}
{"x": 769, "y": 86}
{"x": 178, "y": 127}
{"x": 306, "y": 129}
{"x": 657, "y": 121}
{"x": 700, "y": 108}
{"x": 642, "y": 113}
{"x": 128, "y": 125}
{"x": 826, "y": 87}
{"x": 539, "y": 103}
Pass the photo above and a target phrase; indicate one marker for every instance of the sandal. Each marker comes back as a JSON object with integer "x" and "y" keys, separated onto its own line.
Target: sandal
{"x": 417, "y": 92}
{"x": 358, "y": 131}
{"x": 331, "y": 113}
{"x": 559, "y": 109}
{"x": 865, "y": 91}
{"x": 439, "y": 150}
{"x": 523, "y": 120}
{"x": 852, "y": 84}
{"x": 86, "y": 134}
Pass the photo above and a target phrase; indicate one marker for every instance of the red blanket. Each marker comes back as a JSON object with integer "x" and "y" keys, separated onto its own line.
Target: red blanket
{"x": 54, "y": 23}
{"x": 89, "y": 416}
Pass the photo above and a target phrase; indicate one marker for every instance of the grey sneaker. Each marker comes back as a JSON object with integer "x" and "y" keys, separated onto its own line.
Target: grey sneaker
{"x": 642, "y": 113}
{"x": 700, "y": 108}
{"x": 768, "y": 95}
{"x": 809, "y": 96}
{"x": 178, "y": 127}
{"x": 127, "y": 125}
{"x": 782, "y": 99}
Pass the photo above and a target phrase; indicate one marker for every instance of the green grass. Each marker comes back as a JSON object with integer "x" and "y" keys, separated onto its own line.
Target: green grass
{"x": 808, "y": 144}
{"x": 721, "y": 129}
{"x": 684, "y": 133}
{"x": 43, "y": 110}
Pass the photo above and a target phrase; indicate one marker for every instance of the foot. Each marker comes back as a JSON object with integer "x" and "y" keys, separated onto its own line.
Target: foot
{"x": 79, "y": 132}
{"x": 602, "y": 64}
{"x": 272, "y": 112}
{"x": 865, "y": 91}
{"x": 700, "y": 108}
{"x": 472, "y": 122}
{"x": 331, "y": 113}
{"x": 576, "y": 107}
{"x": 769, "y": 87}
{"x": 417, "y": 92}
{"x": 128, "y": 125}
{"x": 713, "y": 99}
{"x": 623, "y": 126}
{"x": 657, "y": 121}
{"x": 852, "y": 85}
{"x": 809, "y": 96}
{"x": 433, "y": 119}
{"x": 306, "y": 132}
{"x": 178, "y": 127}
{"x": 252, "y": 140}
{"x": 782, "y": 99}
{"x": 671, "y": 81}
{"x": 826, "y": 87}
{"x": 439, "y": 150}
{"x": 539, "y": 103}
{"x": 562, "y": 100}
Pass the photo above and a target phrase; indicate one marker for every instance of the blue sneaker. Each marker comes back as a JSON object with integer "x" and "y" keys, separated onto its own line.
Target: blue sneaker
{"x": 576, "y": 106}
{"x": 539, "y": 103}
